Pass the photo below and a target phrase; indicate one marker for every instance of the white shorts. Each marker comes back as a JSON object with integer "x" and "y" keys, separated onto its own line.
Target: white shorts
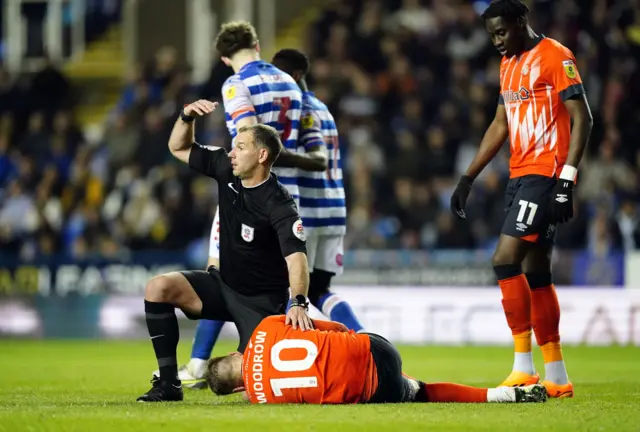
{"x": 214, "y": 239}
{"x": 325, "y": 252}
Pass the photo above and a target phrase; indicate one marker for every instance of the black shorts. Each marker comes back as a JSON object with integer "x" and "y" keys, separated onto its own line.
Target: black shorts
{"x": 221, "y": 303}
{"x": 528, "y": 209}
{"x": 393, "y": 387}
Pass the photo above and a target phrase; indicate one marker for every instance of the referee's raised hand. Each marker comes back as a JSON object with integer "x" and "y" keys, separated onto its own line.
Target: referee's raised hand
{"x": 200, "y": 108}
{"x": 298, "y": 316}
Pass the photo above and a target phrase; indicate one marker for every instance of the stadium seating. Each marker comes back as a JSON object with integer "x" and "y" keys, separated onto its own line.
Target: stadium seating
{"x": 413, "y": 88}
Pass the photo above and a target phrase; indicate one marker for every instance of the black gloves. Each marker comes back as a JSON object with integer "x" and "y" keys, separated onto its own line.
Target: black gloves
{"x": 460, "y": 195}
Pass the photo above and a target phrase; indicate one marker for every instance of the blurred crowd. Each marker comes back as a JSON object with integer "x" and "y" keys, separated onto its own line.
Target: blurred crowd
{"x": 413, "y": 85}
{"x": 65, "y": 193}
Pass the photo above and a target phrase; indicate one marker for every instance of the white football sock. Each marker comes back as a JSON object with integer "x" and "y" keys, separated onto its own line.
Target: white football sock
{"x": 197, "y": 367}
{"x": 523, "y": 362}
{"x": 501, "y": 394}
{"x": 556, "y": 372}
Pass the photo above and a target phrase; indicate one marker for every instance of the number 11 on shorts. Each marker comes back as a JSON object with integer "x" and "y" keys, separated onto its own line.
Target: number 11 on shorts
{"x": 533, "y": 207}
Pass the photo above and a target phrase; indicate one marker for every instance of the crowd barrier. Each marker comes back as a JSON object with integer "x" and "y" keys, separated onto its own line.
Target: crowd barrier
{"x": 62, "y": 275}
{"x": 413, "y": 297}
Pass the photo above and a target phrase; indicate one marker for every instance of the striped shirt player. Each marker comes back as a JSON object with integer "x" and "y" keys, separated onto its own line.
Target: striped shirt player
{"x": 260, "y": 89}
{"x": 322, "y": 198}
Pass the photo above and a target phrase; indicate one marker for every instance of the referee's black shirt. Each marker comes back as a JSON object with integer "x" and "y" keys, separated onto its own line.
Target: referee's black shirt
{"x": 259, "y": 226}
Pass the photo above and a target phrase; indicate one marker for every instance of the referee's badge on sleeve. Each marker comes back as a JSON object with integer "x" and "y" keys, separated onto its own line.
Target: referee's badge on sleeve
{"x": 298, "y": 230}
{"x": 247, "y": 233}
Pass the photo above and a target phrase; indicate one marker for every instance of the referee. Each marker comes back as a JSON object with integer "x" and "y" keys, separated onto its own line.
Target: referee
{"x": 262, "y": 255}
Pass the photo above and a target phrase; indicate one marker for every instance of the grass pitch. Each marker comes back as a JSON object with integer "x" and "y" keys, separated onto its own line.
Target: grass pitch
{"x": 92, "y": 386}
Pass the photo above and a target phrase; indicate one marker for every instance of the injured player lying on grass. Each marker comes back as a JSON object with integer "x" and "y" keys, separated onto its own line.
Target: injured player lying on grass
{"x": 333, "y": 365}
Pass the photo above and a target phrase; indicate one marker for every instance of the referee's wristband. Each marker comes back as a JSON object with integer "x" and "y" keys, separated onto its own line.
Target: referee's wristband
{"x": 186, "y": 118}
{"x": 569, "y": 173}
{"x": 295, "y": 302}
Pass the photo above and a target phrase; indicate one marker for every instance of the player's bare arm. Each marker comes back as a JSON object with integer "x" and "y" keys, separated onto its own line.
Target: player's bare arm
{"x": 491, "y": 143}
{"x": 183, "y": 133}
{"x": 299, "y": 282}
{"x": 314, "y": 159}
{"x": 582, "y": 122}
{"x": 493, "y": 139}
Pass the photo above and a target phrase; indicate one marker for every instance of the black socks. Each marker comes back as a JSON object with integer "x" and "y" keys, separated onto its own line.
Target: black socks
{"x": 163, "y": 330}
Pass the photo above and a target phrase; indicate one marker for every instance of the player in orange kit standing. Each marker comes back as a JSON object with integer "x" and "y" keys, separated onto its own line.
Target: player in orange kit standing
{"x": 541, "y": 96}
{"x": 333, "y": 365}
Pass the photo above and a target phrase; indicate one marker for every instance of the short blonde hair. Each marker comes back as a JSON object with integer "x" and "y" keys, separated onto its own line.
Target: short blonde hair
{"x": 218, "y": 377}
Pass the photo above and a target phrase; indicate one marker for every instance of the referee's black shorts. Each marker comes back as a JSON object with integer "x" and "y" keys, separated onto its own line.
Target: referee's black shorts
{"x": 393, "y": 387}
{"x": 221, "y": 303}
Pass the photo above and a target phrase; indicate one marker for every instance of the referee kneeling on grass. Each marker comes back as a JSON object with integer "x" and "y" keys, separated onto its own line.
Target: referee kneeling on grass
{"x": 262, "y": 243}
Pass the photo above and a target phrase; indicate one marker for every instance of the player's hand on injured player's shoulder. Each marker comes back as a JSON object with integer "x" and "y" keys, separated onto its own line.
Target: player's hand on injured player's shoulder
{"x": 460, "y": 195}
{"x": 200, "y": 108}
{"x": 298, "y": 316}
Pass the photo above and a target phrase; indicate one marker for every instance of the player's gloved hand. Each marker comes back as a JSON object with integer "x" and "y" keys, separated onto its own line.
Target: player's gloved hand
{"x": 562, "y": 196}
{"x": 460, "y": 196}
{"x": 298, "y": 316}
{"x": 199, "y": 108}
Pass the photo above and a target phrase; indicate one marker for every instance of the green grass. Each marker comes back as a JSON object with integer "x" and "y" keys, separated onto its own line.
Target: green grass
{"x": 92, "y": 385}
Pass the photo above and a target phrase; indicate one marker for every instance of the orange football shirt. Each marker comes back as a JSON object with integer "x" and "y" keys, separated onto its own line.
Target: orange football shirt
{"x": 321, "y": 366}
{"x": 533, "y": 87}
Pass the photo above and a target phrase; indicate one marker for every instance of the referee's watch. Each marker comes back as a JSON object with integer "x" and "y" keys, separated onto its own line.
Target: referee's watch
{"x": 300, "y": 301}
{"x": 186, "y": 118}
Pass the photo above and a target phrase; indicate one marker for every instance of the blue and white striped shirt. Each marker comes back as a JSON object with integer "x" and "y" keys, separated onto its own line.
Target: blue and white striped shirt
{"x": 322, "y": 200}
{"x": 262, "y": 90}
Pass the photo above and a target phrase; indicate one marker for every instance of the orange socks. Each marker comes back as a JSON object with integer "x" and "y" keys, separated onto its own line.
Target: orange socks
{"x": 522, "y": 342}
{"x": 516, "y": 302}
{"x": 545, "y": 315}
{"x": 546, "y": 326}
{"x": 448, "y": 392}
{"x": 551, "y": 352}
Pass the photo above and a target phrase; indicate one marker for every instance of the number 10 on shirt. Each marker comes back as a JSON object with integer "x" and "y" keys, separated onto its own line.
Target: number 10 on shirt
{"x": 278, "y": 384}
